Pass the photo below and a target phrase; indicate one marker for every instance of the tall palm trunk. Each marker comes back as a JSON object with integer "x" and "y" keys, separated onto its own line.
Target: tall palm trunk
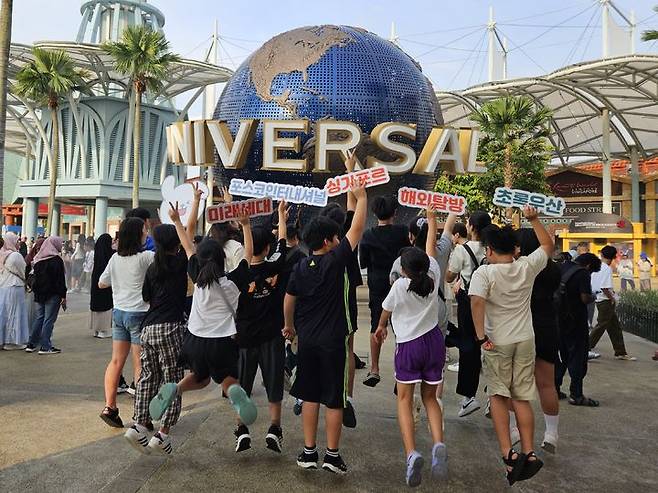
{"x": 137, "y": 137}
{"x": 5, "y": 43}
{"x": 53, "y": 170}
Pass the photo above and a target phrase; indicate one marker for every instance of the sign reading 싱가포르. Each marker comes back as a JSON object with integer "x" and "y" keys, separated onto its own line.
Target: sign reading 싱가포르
{"x": 366, "y": 178}
{"x": 511, "y": 197}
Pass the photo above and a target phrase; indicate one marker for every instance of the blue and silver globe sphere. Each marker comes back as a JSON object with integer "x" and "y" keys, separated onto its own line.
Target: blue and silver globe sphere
{"x": 336, "y": 72}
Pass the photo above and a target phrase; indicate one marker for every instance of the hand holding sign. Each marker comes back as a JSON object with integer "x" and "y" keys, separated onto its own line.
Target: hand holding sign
{"x": 530, "y": 213}
{"x": 174, "y": 215}
{"x": 184, "y": 195}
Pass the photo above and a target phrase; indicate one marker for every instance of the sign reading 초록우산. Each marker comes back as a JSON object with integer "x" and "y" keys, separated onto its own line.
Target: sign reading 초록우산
{"x": 511, "y": 197}
{"x": 233, "y": 210}
{"x": 442, "y": 202}
{"x": 295, "y": 194}
{"x": 367, "y": 178}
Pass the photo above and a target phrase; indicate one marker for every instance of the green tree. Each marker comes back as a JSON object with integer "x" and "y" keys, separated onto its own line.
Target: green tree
{"x": 5, "y": 43}
{"x": 469, "y": 187}
{"x": 651, "y": 34}
{"x": 47, "y": 80}
{"x": 144, "y": 56}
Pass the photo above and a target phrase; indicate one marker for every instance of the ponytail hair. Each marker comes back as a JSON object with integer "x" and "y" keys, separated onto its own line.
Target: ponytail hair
{"x": 166, "y": 243}
{"x": 416, "y": 264}
{"x": 210, "y": 256}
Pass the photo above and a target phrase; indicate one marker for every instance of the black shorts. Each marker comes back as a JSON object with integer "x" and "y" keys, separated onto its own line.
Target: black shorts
{"x": 321, "y": 376}
{"x": 375, "y": 304}
{"x": 353, "y": 308}
{"x": 214, "y": 357}
{"x": 270, "y": 357}
{"x": 546, "y": 344}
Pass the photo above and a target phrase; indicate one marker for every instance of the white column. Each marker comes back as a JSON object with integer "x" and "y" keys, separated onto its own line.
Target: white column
{"x": 100, "y": 221}
{"x": 635, "y": 185}
{"x": 607, "y": 173}
{"x": 57, "y": 212}
{"x": 30, "y": 216}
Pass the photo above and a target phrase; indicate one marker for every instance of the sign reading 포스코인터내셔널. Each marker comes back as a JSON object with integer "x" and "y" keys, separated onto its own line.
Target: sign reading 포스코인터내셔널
{"x": 442, "y": 202}
{"x": 231, "y": 211}
{"x": 295, "y": 194}
{"x": 511, "y": 197}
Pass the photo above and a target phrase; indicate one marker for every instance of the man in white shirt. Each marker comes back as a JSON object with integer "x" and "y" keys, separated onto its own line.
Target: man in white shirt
{"x": 607, "y": 320}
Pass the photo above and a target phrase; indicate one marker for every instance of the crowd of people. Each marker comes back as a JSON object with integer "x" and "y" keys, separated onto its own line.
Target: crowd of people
{"x": 281, "y": 297}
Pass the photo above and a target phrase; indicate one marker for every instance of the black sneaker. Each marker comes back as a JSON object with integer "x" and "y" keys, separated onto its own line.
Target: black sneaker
{"x": 111, "y": 417}
{"x": 334, "y": 463}
{"x": 52, "y": 350}
{"x": 30, "y": 348}
{"x": 308, "y": 460}
{"x": 359, "y": 364}
{"x": 242, "y": 438}
{"x": 274, "y": 438}
{"x": 122, "y": 388}
{"x": 131, "y": 390}
{"x": 349, "y": 418}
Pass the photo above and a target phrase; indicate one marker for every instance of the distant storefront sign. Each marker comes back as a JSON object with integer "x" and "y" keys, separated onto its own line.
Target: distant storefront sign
{"x": 600, "y": 223}
{"x": 571, "y": 184}
{"x": 573, "y": 211}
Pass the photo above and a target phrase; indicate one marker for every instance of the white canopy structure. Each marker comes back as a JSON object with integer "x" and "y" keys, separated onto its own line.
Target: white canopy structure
{"x": 601, "y": 110}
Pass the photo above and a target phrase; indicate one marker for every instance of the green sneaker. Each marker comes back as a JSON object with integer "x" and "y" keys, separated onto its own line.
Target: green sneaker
{"x": 242, "y": 404}
{"x": 161, "y": 402}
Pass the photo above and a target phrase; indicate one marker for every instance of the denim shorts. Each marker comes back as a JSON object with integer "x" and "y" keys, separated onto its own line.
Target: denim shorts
{"x": 127, "y": 326}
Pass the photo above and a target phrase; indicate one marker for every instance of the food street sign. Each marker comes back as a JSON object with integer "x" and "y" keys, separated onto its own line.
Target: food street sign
{"x": 508, "y": 197}
{"x": 194, "y": 143}
{"x": 295, "y": 194}
{"x": 363, "y": 178}
{"x": 442, "y": 202}
{"x": 233, "y": 210}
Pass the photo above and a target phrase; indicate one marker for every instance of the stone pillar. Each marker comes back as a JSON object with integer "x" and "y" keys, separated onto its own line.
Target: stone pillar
{"x": 57, "y": 212}
{"x": 89, "y": 220}
{"x": 100, "y": 221}
{"x": 635, "y": 185}
{"x": 30, "y": 216}
{"x": 607, "y": 171}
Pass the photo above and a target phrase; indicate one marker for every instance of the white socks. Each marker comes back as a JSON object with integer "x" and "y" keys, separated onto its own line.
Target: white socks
{"x": 512, "y": 420}
{"x": 141, "y": 428}
{"x": 552, "y": 424}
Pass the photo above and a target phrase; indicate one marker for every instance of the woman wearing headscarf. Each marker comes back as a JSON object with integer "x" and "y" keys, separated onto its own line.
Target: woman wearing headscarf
{"x": 49, "y": 287}
{"x": 14, "y": 330}
{"x": 100, "y": 303}
{"x": 29, "y": 295}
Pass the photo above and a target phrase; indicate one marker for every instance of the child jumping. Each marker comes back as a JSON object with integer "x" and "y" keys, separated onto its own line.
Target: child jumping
{"x": 412, "y": 305}
{"x": 500, "y": 302}
{"x": 316, "y": 305}
{"x": 210, "y": 349}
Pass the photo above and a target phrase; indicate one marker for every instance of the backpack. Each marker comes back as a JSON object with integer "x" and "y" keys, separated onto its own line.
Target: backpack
{"x": 560, "y": 300}
{"x": 475, "y": 263}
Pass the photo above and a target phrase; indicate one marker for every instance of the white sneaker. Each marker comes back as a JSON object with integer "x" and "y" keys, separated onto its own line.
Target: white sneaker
{"x": 625, "y": 357}
{"x": 160, "y": 445}
{"x": 515, "y": 436}
{"x": 469, "y": 406}
{"x": 137, "y": 439}
{"x": 454, "y": 367}
{"x": 593, "y": 355}
{"x": 549, "y": 444}
{"x": 103, "y": 335}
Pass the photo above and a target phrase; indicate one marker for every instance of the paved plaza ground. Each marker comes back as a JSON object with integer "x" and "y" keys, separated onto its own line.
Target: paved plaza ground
{"x": 52, "y": 439}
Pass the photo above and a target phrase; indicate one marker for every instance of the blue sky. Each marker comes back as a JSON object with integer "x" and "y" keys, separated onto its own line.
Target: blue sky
{"x": 447, "y": 38}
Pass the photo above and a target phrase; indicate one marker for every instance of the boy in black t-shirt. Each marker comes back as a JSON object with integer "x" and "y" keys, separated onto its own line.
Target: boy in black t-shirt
{"x": 259, "y": 319}
{"x": 316, "y": 305}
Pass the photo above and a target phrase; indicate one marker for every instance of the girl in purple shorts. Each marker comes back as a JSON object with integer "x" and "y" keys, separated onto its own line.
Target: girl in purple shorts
{"x": 412, "y": 307}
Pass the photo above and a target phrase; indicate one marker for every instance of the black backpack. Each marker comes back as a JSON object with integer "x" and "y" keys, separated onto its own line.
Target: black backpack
{"x": 475, "y": 263}
{"x": 560, "y": 300}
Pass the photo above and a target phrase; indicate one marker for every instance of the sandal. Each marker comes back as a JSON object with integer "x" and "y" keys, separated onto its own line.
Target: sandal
{"x": 111, "y": 417}
{"x": 372, "y": 379}
{"x": 583, "y": 401}
{"x": 531, "y": 467}
{"x": 516, "y": 465}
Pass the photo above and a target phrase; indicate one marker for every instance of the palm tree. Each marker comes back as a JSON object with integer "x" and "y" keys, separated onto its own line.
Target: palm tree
{"x": 651, "y": 34}
{"x": 510, "y": 122}
{"x": 5, "y": 43}
{"x": 47, "y": 80}
{"x": 144, "y": 56}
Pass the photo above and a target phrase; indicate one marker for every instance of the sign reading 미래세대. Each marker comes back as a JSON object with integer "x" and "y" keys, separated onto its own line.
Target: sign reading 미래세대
{"x": 443, "y": 203}
{"x": 366, "y": 178}
{"x": 233, "y": 210}
{"x": 295, "y": 194}
{"x": 511, "y": 197}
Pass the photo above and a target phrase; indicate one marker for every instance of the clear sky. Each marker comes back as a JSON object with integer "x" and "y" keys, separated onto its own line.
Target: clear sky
{"x": 448, "y": 38}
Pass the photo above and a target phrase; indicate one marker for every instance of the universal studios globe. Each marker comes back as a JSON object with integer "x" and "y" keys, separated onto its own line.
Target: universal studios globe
{"x": 334, "y": 72}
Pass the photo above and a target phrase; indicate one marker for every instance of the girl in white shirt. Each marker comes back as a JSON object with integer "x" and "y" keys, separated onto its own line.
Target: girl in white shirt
{"x": 210, "y": 349}
{"x": 412, "y": 305}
